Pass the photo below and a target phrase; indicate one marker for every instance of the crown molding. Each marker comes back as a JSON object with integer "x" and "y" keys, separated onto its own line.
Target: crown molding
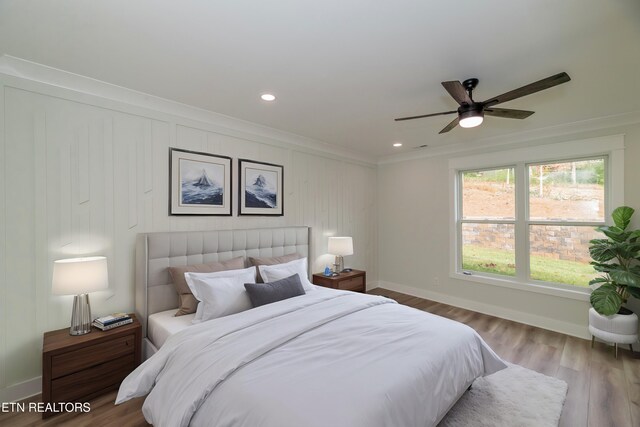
{"x": 55, "y": 78}
{"x": 513, "y": 140}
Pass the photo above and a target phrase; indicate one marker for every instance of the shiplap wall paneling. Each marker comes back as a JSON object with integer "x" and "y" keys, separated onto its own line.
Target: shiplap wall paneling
{"x": 41, "y": 250}
{"x": 359, "y": 215}
{"x": 344, "y": 204}
{"x": 19, "y": 182}
{"x": 163, "y": 138}
{"x": 3, "y": 247}
{"x": 83, "y": 175}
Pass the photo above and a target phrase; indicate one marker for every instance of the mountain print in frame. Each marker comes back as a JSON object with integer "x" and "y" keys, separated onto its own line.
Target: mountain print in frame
{"x": 261, "y": 188}
{"x": 200, "y": 183}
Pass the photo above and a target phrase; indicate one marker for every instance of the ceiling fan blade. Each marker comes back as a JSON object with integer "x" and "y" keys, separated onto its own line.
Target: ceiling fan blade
{"x": 425, "y": 115}
{"x": 529, "y": 89}
{"x": 450, "y": 126}
{"x": 507, "y": 113}
{"x": 457, "y": 91}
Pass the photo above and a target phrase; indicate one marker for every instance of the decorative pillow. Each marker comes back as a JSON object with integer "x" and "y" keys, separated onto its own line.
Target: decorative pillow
{"x": 221, "y": 296}
{"x": 187, "y": 302}
{"x": 266, "y": 293}
{"x": 272, "y": 261}
{"x": 271, "y": 273}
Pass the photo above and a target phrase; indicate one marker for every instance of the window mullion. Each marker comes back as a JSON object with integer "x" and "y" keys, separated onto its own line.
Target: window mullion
{"x": 521, "y": 227}
{"x": 458, "y": 207}
{"x": 488, "y": 221}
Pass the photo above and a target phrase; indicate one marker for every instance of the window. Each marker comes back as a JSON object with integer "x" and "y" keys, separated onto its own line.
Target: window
{"x": 566, "y": 201}
{"x": 525, "y": 221}
{"x": 488, "y": 221}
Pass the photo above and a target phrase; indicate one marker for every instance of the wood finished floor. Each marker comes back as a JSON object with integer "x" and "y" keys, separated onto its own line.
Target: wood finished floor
{"x": 603, "y": 391}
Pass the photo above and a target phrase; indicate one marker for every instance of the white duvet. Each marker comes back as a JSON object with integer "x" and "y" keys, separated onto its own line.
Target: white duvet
{"x": 328, "y": 358}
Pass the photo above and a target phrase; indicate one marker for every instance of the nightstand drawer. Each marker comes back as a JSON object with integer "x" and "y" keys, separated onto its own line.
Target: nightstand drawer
{"x": 353, "y": 284}
{"x": 77, "y": 360}
{"x": 92, "y": 380}
{"x": 354, "y": 280}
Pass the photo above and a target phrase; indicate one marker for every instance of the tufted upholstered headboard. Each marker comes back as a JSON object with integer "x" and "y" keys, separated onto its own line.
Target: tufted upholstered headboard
{"x": 157, "y": 251}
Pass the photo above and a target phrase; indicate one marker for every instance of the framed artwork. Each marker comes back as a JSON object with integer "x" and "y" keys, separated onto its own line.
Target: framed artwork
{"x": 261, "y": 188}
{"x": 200, "y": 183}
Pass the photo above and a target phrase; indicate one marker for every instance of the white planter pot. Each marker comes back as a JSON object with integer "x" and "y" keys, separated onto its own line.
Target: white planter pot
{"x": 617, "y": 329}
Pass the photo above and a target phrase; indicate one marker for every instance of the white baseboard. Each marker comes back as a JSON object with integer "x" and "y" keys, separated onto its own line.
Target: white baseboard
{"x": 22, "y": 390}
{"x": 580, "y": 331}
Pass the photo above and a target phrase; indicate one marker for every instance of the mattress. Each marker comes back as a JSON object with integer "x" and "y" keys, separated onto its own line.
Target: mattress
{"x": 164, "y": 324}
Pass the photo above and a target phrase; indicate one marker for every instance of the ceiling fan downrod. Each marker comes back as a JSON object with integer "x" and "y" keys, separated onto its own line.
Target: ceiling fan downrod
{"x": 470, "y": 85}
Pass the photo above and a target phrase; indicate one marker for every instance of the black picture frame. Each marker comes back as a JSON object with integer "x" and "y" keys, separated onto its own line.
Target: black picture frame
{"x": 260, "y": 188}
{"x": 195, "y": 192}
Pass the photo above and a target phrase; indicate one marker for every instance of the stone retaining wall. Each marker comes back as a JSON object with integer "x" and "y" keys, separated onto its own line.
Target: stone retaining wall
{"x": 558, "y": 242}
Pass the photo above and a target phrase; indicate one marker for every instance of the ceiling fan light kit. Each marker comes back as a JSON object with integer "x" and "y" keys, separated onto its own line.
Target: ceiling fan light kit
{"x": 471, "y": 113}
{"x": 470, "y": 116}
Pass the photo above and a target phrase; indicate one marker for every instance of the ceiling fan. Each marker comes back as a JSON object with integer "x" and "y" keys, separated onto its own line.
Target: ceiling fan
{"x": 471, "y": 113}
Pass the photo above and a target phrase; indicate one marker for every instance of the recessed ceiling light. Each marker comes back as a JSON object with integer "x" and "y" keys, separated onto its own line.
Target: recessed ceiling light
{"x": 397, "y": 144}
{"x": 268, "y": 97}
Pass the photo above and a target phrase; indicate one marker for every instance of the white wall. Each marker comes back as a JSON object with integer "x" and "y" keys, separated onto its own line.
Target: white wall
{"x": 83, "y": 174}
{"x": 414, "y": 240}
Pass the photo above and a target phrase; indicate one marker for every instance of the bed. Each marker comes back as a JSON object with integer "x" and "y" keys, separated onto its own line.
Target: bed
{"x": 325, "y": 358}
{"x": 156, "y": 252}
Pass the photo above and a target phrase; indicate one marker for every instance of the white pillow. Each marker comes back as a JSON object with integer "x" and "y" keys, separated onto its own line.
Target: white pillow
{"x": 190, "y": 276}
{"x": 221, "y": 296}
{"x": 271, "y": 273}
{"x": 232, "y": 294}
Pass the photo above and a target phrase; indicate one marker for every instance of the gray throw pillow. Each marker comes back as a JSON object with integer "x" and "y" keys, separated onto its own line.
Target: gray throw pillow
{"x": 266, "y": 293}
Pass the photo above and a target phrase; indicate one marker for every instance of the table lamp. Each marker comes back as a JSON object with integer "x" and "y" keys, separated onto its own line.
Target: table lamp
{"x": 79, "y": 276}
{"x": 340, "y": 246}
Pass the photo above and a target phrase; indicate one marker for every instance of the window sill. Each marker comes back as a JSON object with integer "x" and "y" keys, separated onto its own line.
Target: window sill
{"x": 580, "y": 294}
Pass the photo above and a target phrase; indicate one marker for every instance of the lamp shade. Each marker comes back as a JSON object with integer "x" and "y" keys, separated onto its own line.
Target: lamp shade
{"x": 340, "y": 246}
{"x": 77, "y": 276}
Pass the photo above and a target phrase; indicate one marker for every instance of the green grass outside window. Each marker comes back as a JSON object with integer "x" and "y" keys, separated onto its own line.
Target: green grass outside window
{"x": 496, "y": 261}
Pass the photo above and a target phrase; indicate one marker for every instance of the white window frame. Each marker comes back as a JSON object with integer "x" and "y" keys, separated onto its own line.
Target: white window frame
{"x": 610, "y": 147}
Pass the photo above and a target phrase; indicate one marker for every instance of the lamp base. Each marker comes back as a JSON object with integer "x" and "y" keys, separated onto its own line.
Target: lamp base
{"x": 339, "y": 264}
{"x": 81, "y": 315}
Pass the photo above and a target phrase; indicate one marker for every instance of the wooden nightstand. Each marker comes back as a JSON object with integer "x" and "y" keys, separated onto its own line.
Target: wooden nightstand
{"x": 356, "y": 281}
{"x": 79, "y": 368}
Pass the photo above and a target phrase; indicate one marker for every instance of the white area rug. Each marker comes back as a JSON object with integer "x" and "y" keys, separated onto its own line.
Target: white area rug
{"x": 513, "y": 397}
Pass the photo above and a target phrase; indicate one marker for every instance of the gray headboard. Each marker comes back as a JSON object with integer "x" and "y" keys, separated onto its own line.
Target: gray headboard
{"x": 157, "y": 251}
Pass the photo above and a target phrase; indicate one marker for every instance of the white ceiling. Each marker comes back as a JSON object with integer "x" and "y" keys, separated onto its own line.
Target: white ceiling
{"x": 344, "y": 69}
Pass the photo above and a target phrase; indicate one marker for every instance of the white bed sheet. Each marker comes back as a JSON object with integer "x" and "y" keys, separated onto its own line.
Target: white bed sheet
{"x": 322, "y": 359}
{"x": 162, "y": 325}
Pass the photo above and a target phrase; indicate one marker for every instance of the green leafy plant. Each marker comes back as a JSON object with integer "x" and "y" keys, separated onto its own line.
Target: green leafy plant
{"x": 617, "y": 258}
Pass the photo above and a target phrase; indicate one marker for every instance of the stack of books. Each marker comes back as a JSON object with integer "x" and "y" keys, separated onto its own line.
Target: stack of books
{"x": 112, "y": 321}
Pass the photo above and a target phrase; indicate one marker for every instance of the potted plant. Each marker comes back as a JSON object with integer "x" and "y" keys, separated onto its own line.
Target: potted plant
{"x": 617, "y": 257}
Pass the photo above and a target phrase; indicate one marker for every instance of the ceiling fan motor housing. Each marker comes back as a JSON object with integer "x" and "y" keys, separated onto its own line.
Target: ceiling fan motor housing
{"x": 471, "y": 110}
{"x": 470, "y": 116}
